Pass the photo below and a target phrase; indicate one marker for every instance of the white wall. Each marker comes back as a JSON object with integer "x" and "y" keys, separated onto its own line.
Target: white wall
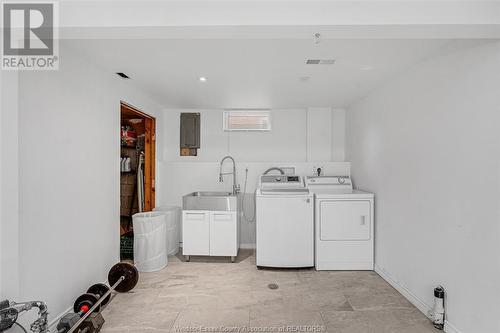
{"x": 69, "y": 153}
{"x": 319, "y": 134}
{"x": 294, "y": 137}
{"x": 428, "y": 145}
{"x": 338, "y": 135}
{"x": 9, "y": 186}
{"x": 2, "y": 84}
{"x": 294, "y": 141}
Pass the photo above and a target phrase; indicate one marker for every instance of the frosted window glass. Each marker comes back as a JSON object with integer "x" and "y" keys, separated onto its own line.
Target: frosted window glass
{"x": 247, "y": 120}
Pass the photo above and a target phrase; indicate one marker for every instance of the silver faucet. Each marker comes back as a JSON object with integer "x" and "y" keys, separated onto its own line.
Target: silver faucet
{"x": 236, "y": 188}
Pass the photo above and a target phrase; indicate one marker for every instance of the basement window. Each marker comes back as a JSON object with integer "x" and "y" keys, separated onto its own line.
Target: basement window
{"x": 247, "y": 120}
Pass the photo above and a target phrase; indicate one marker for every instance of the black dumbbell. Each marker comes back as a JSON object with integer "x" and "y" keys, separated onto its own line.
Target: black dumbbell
{"x": 67, "y": 321}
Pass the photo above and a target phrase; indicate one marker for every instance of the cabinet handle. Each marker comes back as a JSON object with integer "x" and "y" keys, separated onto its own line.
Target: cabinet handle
{"x": 363, "y": 220}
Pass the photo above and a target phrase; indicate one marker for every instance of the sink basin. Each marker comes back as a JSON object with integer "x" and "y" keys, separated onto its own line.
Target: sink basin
{"x": 221, "y": 201}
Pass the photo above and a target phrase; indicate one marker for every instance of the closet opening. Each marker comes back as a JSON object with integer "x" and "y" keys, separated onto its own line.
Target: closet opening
{"x": 137, "y": 171}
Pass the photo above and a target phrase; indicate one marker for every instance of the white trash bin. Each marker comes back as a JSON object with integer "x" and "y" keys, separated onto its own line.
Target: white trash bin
{"x": 173, "y": 218}
{"x": 150, "y": 241}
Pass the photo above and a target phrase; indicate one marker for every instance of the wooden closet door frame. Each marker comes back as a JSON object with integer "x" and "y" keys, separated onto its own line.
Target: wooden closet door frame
{"x": 149, "y": 154}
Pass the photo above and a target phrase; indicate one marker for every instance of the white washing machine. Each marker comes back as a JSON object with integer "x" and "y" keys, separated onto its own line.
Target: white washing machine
{"x": 284, "y": 222}
{"x": 344, "y": 224}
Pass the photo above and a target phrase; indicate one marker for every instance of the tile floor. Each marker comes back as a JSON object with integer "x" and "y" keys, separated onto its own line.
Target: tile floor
{"x": 213, "y": 295}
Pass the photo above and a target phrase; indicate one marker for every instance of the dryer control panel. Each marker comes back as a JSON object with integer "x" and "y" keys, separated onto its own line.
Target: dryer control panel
{"x": 329, "y": 182}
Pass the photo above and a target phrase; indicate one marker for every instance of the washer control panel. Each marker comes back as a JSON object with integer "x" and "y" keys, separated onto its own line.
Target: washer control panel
{"x": 280, "y": 181}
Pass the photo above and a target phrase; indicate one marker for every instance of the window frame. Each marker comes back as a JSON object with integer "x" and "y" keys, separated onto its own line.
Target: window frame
{"x": 263, "y": 112}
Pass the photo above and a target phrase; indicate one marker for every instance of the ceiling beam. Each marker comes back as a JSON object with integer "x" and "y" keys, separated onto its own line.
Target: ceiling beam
{"x": 279, "y": 19}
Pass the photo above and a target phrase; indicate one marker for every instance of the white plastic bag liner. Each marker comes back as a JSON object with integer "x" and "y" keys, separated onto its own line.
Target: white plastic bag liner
{"x": 150, "y": 241}
{"x": 173, "y": 218}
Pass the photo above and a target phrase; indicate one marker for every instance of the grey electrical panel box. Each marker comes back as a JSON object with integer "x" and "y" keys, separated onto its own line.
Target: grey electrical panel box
{"x": 190, "y": 130}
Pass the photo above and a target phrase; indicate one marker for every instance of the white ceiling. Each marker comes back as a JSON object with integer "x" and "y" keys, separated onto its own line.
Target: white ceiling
{"x": 264, "y": 73}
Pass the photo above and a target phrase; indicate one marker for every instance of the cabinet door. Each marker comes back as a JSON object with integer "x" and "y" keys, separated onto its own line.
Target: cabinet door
{"x": 223, "y": 234}
{"x": 345, "y": 220}
{"x": 195, "y": 233}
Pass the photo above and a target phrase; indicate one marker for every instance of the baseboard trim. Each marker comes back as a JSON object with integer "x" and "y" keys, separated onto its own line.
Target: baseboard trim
{"x": 419, "y": 304}
{"x": 247, "y": 246}
{"x": 449, "y": 328}
{"x": 424, "y": 308}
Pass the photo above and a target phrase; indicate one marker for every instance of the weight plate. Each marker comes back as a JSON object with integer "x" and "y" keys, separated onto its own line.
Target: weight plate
{"x": 87, "y": 300}
{"x": 100, "y": 289}
{"x": 127, "y": 270}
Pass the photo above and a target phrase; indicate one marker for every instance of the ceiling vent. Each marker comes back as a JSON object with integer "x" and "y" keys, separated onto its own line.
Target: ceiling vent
{"x": 320, "y": 61}
{"x": 122, "y": 75}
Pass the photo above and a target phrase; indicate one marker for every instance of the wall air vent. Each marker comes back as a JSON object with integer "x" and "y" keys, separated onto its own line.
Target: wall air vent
{"x": 320, "y": 61}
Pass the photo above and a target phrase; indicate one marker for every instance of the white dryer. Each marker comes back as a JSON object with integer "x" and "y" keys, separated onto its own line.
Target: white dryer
{"x": 344, "y": 224}
{"x": 284, "y": 222}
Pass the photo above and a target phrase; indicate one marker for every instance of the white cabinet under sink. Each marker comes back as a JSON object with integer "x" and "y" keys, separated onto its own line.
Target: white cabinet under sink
{"x": 210, "y": 233}
{"x": 196, "y": 233}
